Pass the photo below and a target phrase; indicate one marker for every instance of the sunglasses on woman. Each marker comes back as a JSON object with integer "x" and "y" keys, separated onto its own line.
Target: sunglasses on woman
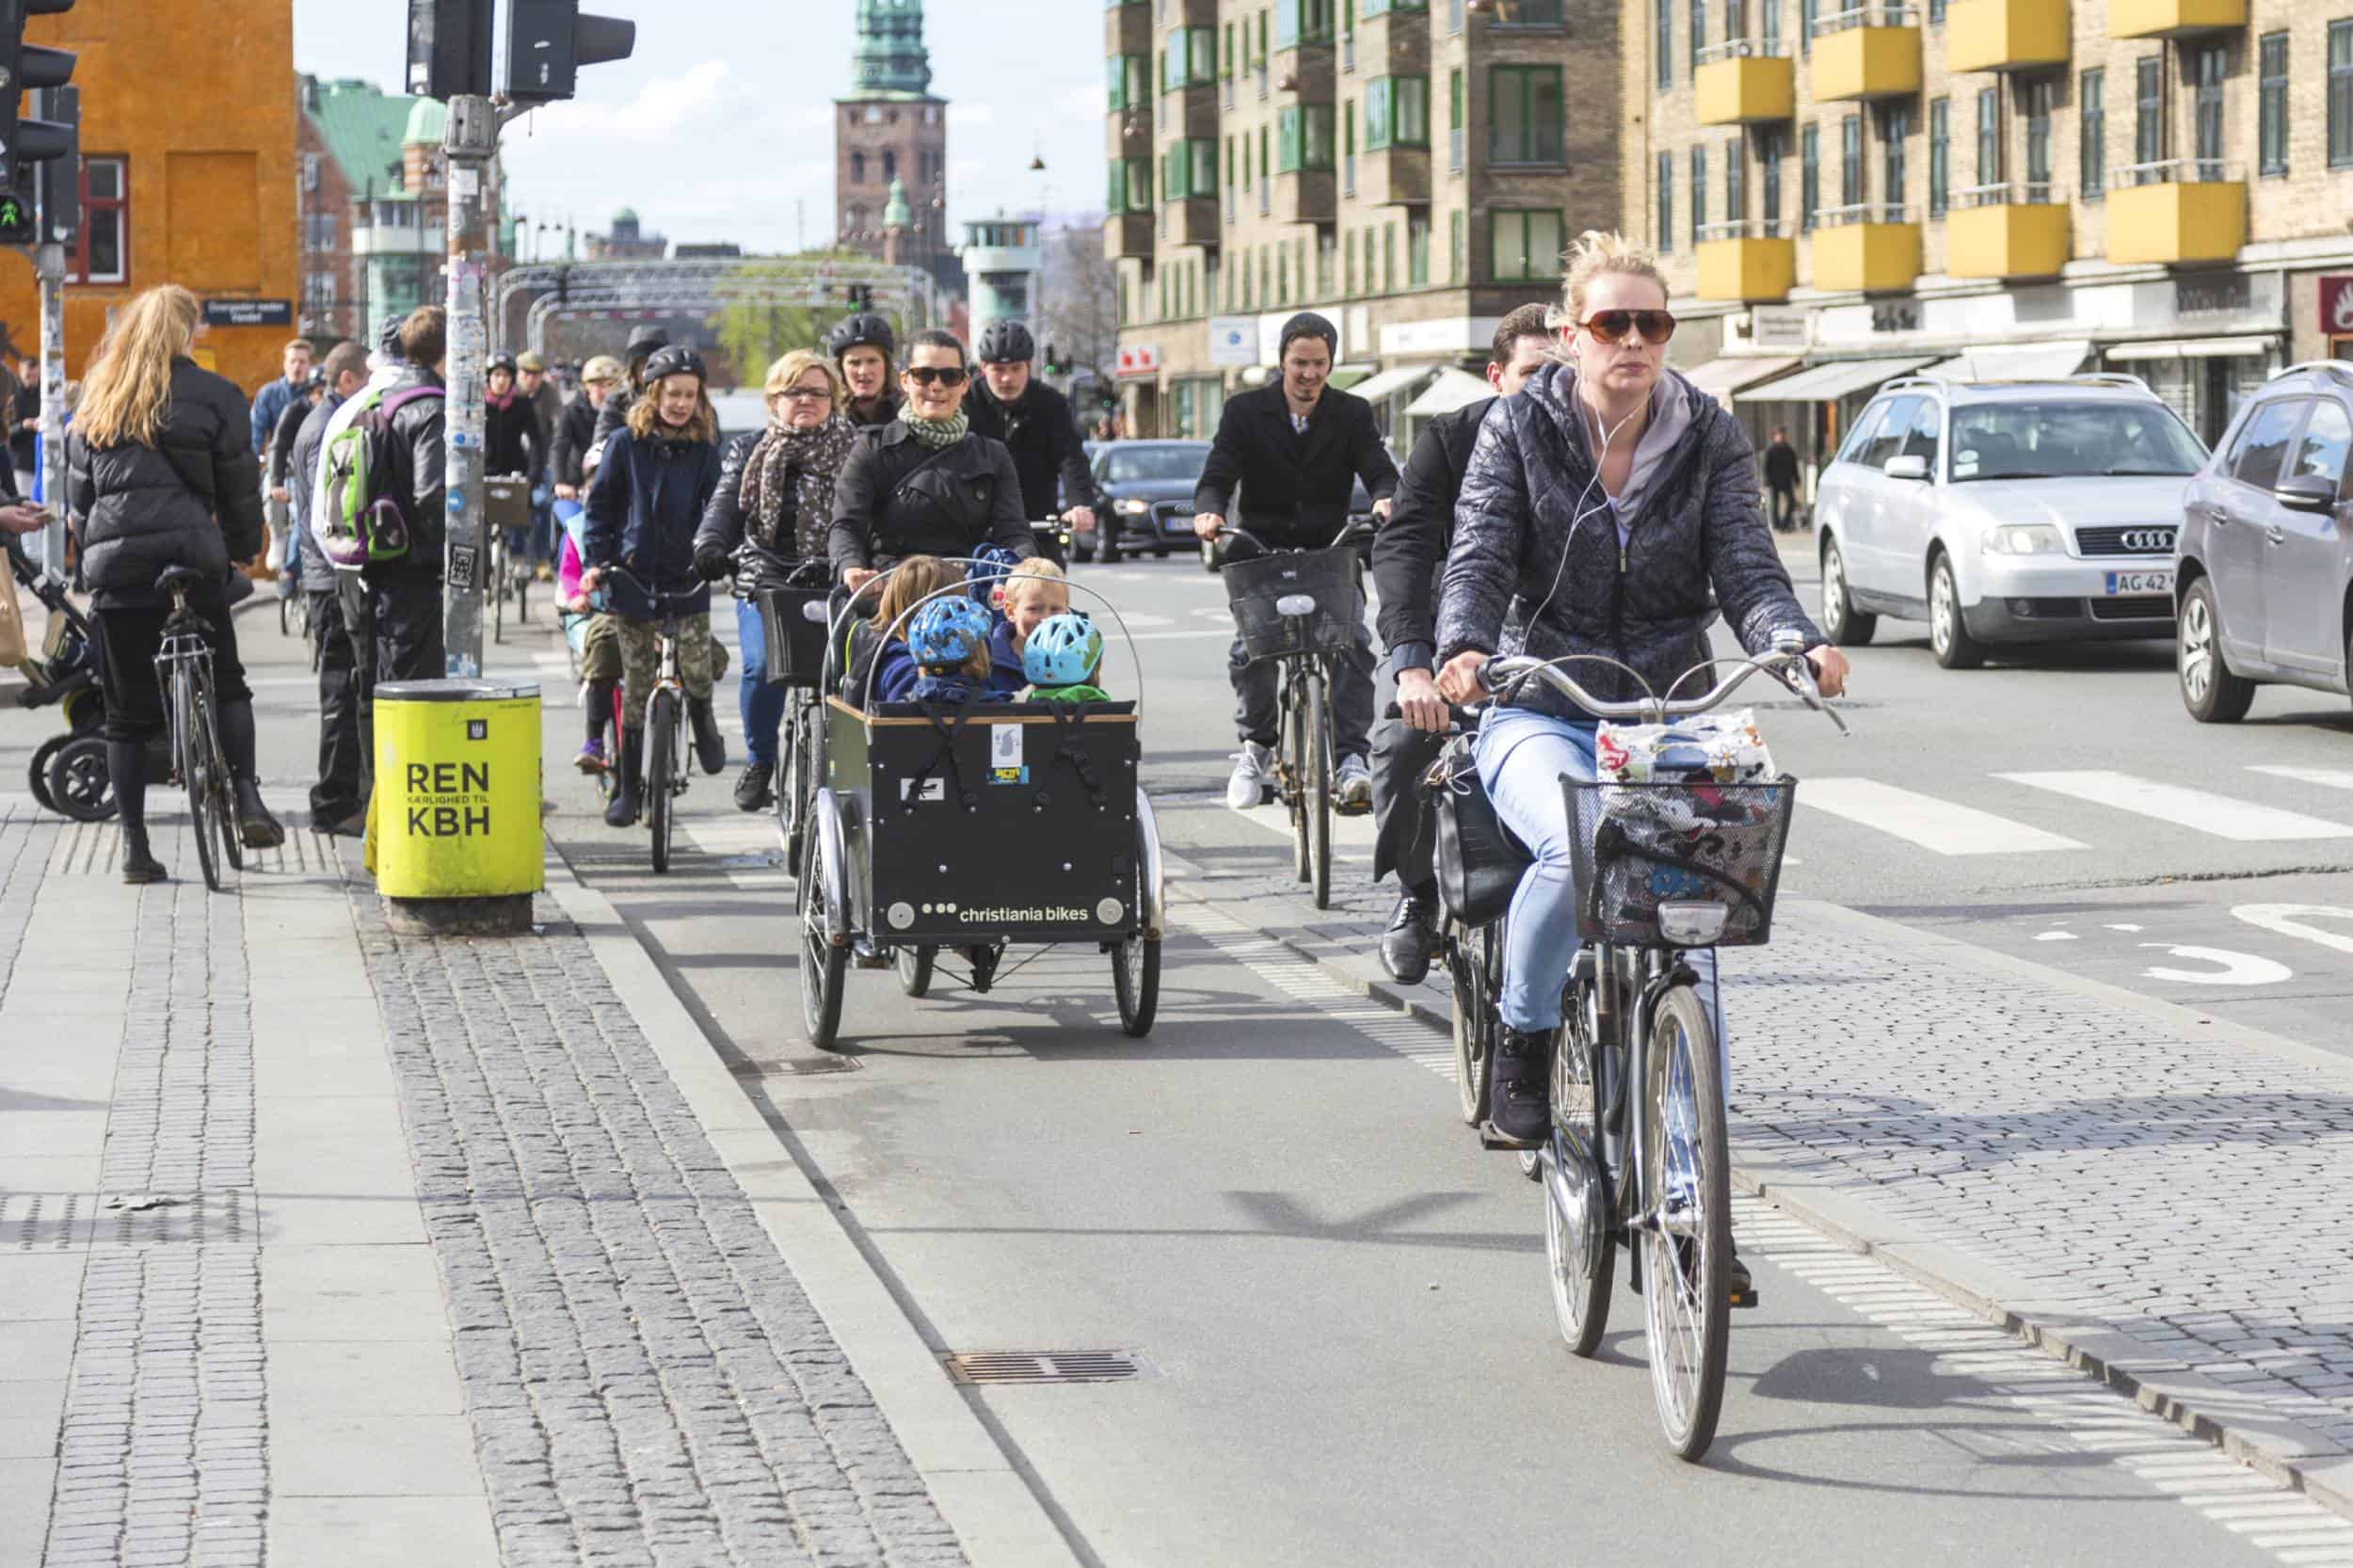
{"x": 1611, "y": 325}
{"x": 945, "y": 376}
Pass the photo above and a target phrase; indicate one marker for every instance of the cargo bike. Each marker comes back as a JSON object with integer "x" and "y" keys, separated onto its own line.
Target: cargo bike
{"x": 935, "y": 837}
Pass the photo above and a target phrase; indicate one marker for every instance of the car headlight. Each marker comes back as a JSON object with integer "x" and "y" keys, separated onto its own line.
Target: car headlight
{"x": 1132, "y": 508}
{"x": 2026, "y": 539}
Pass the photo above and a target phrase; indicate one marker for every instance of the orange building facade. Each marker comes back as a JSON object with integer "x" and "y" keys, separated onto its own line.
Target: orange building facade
{"x": 189, "y": 175}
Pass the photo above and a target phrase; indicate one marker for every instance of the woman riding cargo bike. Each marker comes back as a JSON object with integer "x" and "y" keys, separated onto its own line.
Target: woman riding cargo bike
{"x": 1600, "y": 505}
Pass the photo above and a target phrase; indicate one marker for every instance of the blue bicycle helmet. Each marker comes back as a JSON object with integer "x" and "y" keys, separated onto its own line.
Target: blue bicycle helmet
{"x": 1062, "y": 651}
{"x": 991, "y": 564}
{"x": 947, "y": 631}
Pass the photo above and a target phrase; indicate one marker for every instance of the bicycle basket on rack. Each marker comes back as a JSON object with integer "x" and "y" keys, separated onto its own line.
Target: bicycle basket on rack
{"x": 1253, "y": 588}
{"x": 1637, "y": 846}
{"x": 793, "y": 634}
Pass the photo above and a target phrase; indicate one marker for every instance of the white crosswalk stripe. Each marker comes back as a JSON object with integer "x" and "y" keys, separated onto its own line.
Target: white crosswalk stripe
{"x": 2223, "y": 816}
{"x": 2327, "y": 779}
{"x": 1942, "y": 826}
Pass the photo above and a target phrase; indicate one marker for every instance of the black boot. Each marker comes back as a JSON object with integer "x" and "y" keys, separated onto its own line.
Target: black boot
{"x": 711, "y": 747}
{"x": 621, "y": 810}
{"x": 1405, "y": 946}
{"x": 751, "y": 790}
{"x": 1517, "y": 1114}
{"x": 256, "y": 827}
{"x": 127, "y": 766}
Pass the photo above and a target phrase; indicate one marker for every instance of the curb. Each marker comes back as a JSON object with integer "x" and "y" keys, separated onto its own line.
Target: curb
{"x": 976, "y": 1485}
{"x": 2157, "y": 1381}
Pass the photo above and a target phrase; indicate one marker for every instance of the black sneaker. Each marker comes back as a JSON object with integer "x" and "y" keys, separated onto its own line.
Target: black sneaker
{"x": 1517, "y": 1114}
{"x": 1739, "y": 1285}
{"x": 711, "y": 747}
{"x": 1405, "y": 946}
{"x": 751, "y": 790}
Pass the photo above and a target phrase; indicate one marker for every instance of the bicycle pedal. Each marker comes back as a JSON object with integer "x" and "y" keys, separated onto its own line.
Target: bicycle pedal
{"x": 1490, "y": 1137}
{"x": 1744, "y": 1297}
{"x": 1362, "y": 808}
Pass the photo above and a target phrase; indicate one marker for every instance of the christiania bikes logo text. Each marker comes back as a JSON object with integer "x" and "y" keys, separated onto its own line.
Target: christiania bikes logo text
{"x": 1018, "y": 915}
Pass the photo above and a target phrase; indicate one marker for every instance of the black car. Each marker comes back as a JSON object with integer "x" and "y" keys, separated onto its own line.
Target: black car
{"x": 1147, "y": 488}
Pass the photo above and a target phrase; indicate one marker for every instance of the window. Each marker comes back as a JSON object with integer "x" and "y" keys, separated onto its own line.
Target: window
{"x": 2149, "y": 109}
{"x": 1928, "y": 421}
{"x": 318, "y": 230}
{"x": 1988, "y": 135}
{"x": 890, "y": 165}
{"x": 1383, "y": 8}
{"x": 2272, "y": 113}
{"x": 1124, "y": 87}
{"x": 1699, "y": 31}
{"x": 1809, "y": 175}
{"x": 1940, "y": 156}
{"x": 1388, "y": 258}
{"x": 1396, "y": 112}
{"x": 1769, "y": 150}
{"x": 1227, "y": 64}
{"x": 318, "y": 292}
{"x": 1189, "y": 168}
{"x": 1327, "y": 247}
{"x": 1526, "y": 247}
{"x": 2328, "y": 439}
{"x": 2038, "y": 132}
{"x": 2262, "y": 448}
{"x": 1664, "y": 234}
{"x": 1304, "y": 138}
{"x": 1455, "y": 136}
{"x": 1283, "y": 275}
{"x": 1887, "y": 437}
{"x": 1417, "y": 252}
{"x": 1129, "y": 187}
{"x": 1297, "y": 21}
{"x": 1806, "y": 10}
{"x": 2069, "y": 440}
{"x": 2091, "y": 114}
{"x": 1190, "y": 60}
{"x": 1851, "y": 161}
{"x": 2339, "y": 93}
{"x": 310, "y": 172}
{"x": 1895, "y": 152}
{"x": 2208, "y": 67}
{"x": 1663, "y": 45}
{"x": 1698, "y": 192}
{"x": 1772, "y": 27}
{"x": 1735, "y": 183}
{"x": 1455, "y": 247}
{"x": 857, "y": 168}
{"x": 1347, "y": 268}
{"x": 1936, "y": 14}
{"x": 1348, "y": 148}
{"x": 1524, "y": 108}
{"x": 1862, "y": 434}
{"x": 102, "y": 248}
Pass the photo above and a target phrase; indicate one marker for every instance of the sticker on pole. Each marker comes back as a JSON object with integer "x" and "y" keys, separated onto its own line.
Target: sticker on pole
{"x": 462, "y": 565}
{"x": 465, "y": 183}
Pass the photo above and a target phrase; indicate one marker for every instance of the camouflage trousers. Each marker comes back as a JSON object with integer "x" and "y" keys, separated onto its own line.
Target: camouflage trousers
{"x": 702, "y": 661}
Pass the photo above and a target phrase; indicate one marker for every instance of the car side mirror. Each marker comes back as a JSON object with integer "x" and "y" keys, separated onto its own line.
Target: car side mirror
{"x": 1911, "y": 465}
{"x": 2306, "y": 492}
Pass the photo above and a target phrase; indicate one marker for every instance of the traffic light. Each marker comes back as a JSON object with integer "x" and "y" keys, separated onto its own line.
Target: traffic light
{"x": 25, "y": 143}
{"x": 449, "y": 48}
{"x": 548, "y": 40}
{"x": 58, "y": 182}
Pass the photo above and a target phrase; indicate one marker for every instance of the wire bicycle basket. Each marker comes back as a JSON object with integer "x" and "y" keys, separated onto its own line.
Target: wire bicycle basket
{"x": 1639, "y": 847}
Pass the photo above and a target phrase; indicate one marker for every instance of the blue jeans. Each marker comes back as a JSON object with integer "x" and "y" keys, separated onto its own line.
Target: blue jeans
{"x": 1522, "y": 757}
{"x": 763, "y": 704}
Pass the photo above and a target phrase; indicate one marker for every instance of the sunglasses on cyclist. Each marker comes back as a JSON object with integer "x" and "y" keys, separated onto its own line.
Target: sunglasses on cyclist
{"x": 1611, "y": 325}
{"x": 945, "y": 376}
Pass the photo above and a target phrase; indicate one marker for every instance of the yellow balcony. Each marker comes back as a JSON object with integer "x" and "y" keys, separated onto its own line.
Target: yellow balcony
{"x": 1871, "y": 51}
{"x": 1740, "y": 261}
{"x": 1866, "y": 249}
{"x": 2006, "y": 231}
{"x": 1738, "y": 87}
{"x": 2005, "y": 35}
{"x": 2182, "y": 210}
{"x": 2173, "y": 17}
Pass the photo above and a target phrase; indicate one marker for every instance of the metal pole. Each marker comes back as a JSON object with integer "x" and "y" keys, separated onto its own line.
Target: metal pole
{"x": 471, "y": 143}
{"x": 49, "y": 268}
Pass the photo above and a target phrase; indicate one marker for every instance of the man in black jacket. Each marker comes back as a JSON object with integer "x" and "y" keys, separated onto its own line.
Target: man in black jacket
{"x": 1407, "y": 556}
{"x": 1035, "y": 424}
{"x": 1295, "y": 447}
{"x": 643, "y": 345}
{"x": 335, "y": 800}
{"x": 1780, "y": 482}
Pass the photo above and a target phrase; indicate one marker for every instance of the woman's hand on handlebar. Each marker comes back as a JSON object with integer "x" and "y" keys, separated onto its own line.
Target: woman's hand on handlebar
{"x": 1418, "y": 702}
{"x": 1830, "y": 669}
{"x": 1458, "y": 680}
{"x": 1208, "y": 525}
{"x": 854, "y": 578}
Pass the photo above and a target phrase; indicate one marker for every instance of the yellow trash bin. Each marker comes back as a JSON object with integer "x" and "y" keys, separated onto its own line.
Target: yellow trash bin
{"x": 457, "y": 803}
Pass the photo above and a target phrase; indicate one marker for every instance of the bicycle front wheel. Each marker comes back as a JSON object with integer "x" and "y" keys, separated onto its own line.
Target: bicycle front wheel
{"x": 1686, "y": 1187}
{"x": 1293, "y": 771}
{"x": 661, "y": 769}
{"x": 1315, "y": 788}
{"x": 196, "y": 771}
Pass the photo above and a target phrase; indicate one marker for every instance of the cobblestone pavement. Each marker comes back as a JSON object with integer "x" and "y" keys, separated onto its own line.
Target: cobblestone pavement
{"x": 646, "y": 1383}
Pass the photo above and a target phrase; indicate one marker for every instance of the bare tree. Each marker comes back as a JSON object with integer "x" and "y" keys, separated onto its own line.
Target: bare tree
{"x": 1078, "y": 307}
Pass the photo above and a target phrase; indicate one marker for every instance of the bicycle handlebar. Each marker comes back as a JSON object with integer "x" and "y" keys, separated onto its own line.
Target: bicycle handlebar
{"x": 1351, "y": 534}
{"x": 1788, "y": 664}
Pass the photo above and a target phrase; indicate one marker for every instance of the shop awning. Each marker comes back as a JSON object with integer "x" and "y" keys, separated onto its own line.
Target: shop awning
{"x": 1828, "y": 383}
{"x": 1378, "y": 388}
{"x": 1721, "y": 379}
{"x": 1342, "y": 376}
{"x": 2015, "y": 361}
{"x": 1452, "y": 390}
{"x": 2189, "y": 348}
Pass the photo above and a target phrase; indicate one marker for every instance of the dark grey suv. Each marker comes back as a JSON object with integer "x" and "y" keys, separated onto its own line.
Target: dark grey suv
{"x": 2263, "y": 566}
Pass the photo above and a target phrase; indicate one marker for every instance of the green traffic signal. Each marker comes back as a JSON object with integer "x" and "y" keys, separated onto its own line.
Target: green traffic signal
{"x": 16, "y": 220}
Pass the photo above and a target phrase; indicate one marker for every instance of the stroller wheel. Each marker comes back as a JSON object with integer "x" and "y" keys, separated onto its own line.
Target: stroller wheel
{"x": 79, "y": 782}
{"x": 37, "y": 776}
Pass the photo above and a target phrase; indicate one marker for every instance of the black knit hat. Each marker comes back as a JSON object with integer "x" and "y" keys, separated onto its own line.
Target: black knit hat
{"x": 1306, "y": 323}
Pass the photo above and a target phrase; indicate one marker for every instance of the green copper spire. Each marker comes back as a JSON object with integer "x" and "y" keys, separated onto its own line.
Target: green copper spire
{"x": 895, "y": 214}
{"x": 890, "y": 57}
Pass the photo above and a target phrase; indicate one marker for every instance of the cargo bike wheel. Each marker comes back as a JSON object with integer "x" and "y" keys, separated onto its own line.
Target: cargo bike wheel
{"x": 915, "y": 965}
{"x": 825, "y": 963}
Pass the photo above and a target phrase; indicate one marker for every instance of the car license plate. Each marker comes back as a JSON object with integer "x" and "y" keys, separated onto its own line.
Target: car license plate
{"x": 2126, "y": 582}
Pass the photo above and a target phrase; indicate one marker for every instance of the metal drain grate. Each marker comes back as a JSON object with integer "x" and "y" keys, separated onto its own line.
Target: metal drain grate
{"x": 1042, "y": 1366}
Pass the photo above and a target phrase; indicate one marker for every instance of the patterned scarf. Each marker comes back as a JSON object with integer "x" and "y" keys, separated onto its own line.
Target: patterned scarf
{"x": 807, "y": 460}
{"x": 935, "y": 432}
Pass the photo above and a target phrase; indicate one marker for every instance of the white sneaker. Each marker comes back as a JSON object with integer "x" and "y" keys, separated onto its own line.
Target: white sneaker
{"x": 1352, "y": 784}
{"x": 1247, "y": 787}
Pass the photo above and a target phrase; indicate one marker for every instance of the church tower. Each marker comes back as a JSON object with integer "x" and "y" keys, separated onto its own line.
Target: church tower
{"x": 890, "y": 131}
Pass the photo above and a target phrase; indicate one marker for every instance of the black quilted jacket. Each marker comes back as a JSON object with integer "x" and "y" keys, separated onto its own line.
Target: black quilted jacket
{"x": 194, "y": 498}
{"x": 1699, "y": 526}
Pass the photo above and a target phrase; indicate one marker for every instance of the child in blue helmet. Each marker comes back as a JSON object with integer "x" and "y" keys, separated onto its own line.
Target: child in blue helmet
{"x": 947, "y": 638}
{"x": 1061, "y": 659}
{"x": 1028, "y": 595}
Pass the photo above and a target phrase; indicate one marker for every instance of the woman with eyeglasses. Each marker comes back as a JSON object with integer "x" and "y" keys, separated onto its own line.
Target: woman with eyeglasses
{"x": 925, "y": 485}
{"x": 771, "y": 512}
{"x": 1601, "y": 504}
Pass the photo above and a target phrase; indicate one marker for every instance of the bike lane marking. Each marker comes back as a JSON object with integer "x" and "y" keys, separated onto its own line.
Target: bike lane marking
{"x": 2291, "y": 920}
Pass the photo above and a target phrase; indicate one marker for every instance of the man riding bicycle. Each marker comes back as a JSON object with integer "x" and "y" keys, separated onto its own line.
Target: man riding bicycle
{"x": 1295, "y": 447}
{"x": 1034, "y": 421}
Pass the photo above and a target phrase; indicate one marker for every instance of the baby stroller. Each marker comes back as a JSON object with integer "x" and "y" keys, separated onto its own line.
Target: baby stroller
{"x": 68, "y": 774}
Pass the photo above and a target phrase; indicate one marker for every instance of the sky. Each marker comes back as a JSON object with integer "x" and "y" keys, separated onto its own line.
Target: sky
{"x": 719, "y": 127}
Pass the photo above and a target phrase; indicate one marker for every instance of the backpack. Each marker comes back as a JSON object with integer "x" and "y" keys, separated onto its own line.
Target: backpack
{"x": 360, "y": 521}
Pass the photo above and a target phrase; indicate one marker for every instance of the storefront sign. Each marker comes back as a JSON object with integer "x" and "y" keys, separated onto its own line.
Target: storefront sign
{"x": 1233, "y": 341}
{"x": 2336, "y": 307}
{"x": 2212, "y": 294}
{"x": 1895, "y": 315}
{"x": 1442, "y": 335}
{"x": 248, "y": 313}
{"x": 1780, "y": 327}
{"x": 1139, "y": 358}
